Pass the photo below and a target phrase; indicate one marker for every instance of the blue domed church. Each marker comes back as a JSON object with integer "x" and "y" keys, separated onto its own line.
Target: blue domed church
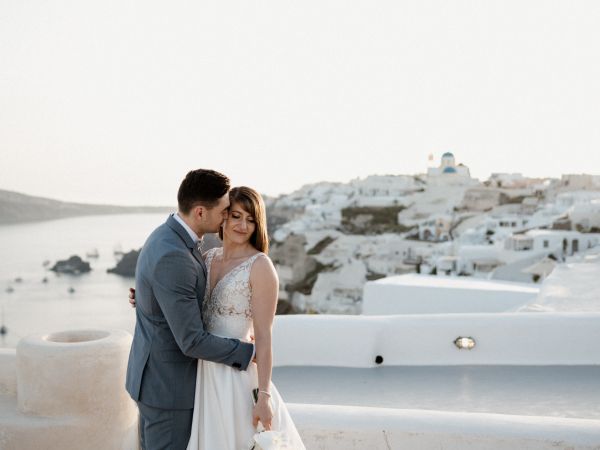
{"x": 448, "y": 172}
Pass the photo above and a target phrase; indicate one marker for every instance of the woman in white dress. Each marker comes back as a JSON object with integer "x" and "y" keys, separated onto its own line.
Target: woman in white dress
{"x": 240, "y": 302}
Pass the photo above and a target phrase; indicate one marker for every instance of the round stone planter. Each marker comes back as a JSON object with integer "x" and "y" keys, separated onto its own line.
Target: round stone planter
{"x": 74, "y": 373}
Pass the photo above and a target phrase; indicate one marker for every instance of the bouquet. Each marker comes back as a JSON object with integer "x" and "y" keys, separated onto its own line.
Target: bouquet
{"x": 271, "y": 440}
{"x": 268, "y": 440}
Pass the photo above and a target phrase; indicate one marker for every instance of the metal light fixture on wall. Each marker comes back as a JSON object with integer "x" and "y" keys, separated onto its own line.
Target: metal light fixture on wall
{"x": 464, "y": 343}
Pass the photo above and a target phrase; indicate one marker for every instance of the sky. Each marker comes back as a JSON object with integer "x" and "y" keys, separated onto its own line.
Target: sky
{"x": 113, "y": 101}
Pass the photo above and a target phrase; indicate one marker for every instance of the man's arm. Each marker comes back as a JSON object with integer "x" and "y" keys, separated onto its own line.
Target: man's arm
{"x": 174, "y": 286}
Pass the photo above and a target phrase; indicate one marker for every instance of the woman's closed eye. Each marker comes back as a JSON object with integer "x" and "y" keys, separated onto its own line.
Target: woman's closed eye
{"x": 239, "y": 216}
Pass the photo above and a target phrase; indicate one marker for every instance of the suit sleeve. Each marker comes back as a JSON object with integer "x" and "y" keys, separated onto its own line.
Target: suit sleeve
{"x": 174, "y": 285}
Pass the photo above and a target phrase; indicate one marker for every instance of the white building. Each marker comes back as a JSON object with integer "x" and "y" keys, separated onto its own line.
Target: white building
{"x": 561, "y": 243}
{"x": 481, "y": 198}
{"x": 506, "y": 224}
{"x": 511, "y": 258}
{"x": 436, "y": 228}
{"x": 566, "y": 200}
{"x": 448, "y": 172}
{"x": 586, "y": 216}
{"x": 384, "y": 186}
{"x": 579, "y": 181}
{"x": 508, "y": 180}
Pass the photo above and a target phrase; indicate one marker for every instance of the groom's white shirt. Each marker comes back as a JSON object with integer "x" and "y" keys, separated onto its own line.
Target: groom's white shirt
{"x": 196, "y": 239}
{"x": 186, "y": 227}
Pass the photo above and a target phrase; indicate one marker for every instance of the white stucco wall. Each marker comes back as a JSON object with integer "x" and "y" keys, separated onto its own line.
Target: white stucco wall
{"x": 413, "y": 340}
{"x": 424, "y": 294}
{"x": 71, "y": 395}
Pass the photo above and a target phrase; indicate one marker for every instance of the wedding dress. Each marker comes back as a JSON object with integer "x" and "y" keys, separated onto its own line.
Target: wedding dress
{"x": 223, "y": 403}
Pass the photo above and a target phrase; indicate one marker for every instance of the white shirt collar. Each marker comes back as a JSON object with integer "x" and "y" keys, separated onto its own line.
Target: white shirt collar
{"x": 186, "y": 227}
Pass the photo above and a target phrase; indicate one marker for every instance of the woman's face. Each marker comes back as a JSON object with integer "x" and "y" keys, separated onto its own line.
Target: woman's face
{"x": 239, "y": 225}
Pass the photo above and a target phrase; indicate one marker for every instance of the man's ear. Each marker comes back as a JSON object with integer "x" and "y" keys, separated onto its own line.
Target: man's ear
{"x": 199, "y": 212}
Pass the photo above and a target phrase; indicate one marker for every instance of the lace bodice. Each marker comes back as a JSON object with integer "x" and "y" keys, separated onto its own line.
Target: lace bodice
{"x": 226, "y": 309}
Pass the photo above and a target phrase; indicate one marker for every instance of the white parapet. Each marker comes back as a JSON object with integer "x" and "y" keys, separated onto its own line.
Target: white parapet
{"x": 428, "y": 340}
{"x": 70, "y": 393}
{"x": 325, "y": 427}
{"x": 425, "y": 294}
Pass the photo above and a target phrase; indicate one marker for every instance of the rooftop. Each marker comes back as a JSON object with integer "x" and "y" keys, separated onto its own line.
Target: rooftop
{"x": 433, "y": 281}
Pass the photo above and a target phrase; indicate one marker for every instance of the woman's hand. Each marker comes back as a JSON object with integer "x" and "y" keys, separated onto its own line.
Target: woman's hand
{"x": 132, "y": 297}
{"x": 262, "y": 412}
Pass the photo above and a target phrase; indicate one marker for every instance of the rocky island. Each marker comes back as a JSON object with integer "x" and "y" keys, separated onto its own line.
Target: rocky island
{"x": 126, "y": 265}
{"x": 73, "y": 266}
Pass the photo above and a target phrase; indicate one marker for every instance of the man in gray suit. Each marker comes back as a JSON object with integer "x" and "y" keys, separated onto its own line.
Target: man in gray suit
{"x": 169, "y": 338}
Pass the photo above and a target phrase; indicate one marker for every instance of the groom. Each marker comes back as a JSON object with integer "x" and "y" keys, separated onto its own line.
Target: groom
{"x": 169, "y": 337}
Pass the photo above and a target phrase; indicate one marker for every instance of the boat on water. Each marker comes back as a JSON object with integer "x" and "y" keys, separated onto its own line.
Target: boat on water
{"x": 93, "y": 253}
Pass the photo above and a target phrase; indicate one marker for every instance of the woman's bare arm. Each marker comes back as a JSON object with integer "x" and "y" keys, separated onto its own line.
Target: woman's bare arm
{"x": 265, "y": 290}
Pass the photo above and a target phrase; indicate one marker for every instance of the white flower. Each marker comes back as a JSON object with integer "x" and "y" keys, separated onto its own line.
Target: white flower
{"x": 271, "y": 440}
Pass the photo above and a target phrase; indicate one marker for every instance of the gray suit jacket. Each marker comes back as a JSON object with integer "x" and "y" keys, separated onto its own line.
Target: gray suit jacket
{"x": 169, "y": 337}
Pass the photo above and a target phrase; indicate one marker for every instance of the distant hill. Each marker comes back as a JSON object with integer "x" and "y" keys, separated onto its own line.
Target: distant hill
{"x": 17, "y": 208}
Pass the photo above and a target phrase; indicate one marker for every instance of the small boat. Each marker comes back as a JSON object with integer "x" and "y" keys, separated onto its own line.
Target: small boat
{"x": 10, "y": 289}
{"x": 46, "y": 263}
{"x": 18, "y": 280}
{"x": 93, "y": 253}
{"x": 3, "y": 329}
{"x": 45, "y": 280}
{"x": 71, "y": 290}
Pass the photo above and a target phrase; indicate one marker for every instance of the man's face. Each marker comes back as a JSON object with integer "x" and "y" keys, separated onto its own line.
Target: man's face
{"x": 216, "y": 215}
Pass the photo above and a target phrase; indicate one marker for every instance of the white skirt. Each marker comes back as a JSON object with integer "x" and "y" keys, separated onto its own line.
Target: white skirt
{"x": 223, "y": 410}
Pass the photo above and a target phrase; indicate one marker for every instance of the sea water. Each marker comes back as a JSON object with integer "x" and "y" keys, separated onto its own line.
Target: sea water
{"x": 98, "y": 300}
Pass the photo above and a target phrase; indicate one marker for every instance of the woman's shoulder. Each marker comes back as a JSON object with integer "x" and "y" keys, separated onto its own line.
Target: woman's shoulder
{"x": 262, "y": 264}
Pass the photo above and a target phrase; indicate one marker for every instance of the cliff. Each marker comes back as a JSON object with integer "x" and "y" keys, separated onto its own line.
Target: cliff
{"x": 17, "y": 208}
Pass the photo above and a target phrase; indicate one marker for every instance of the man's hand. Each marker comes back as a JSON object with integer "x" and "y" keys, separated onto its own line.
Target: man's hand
{"x": 132, "y": 297}
{"x": 262, "y": 412}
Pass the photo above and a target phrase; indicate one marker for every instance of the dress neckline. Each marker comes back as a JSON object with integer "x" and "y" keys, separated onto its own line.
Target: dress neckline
{"x": 211, "y": 289}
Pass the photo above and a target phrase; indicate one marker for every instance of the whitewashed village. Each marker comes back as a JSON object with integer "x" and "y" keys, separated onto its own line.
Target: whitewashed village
{"x": 331, "y": 238}
{"x": 416, "y": 312}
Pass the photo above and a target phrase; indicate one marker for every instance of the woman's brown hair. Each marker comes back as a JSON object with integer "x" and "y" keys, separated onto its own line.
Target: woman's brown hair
{"x": 252, "y": 202}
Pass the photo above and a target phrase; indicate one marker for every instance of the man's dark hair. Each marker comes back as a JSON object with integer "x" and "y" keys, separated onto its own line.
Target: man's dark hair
{"x": 201, "y": 187}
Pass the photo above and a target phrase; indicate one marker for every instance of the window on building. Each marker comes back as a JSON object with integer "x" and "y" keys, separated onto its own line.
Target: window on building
{"x": 546, "y": 244}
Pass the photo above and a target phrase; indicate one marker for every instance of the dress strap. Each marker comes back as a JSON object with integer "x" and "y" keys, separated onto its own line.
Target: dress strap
{"x": 210, "y": 254}
{"x": 253, "y": 258}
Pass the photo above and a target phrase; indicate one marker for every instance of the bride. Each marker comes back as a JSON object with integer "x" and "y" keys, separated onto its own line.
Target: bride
{"x": 239, "y": 302}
